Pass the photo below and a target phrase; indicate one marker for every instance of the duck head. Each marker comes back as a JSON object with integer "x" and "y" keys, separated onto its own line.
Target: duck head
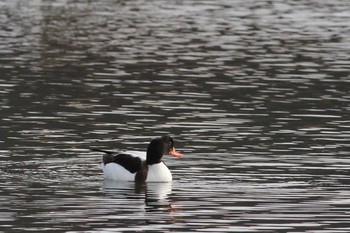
{"x": 159, "y": 147}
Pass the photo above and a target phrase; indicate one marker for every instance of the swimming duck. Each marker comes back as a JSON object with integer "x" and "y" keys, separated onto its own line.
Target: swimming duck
{"x": 139, "y": 166}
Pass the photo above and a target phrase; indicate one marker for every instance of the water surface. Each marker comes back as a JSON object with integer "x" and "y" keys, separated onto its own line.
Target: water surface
{"x": 255, "y": 93}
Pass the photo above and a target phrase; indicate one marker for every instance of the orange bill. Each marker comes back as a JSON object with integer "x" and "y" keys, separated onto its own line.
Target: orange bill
{"x": 175, "y": 154}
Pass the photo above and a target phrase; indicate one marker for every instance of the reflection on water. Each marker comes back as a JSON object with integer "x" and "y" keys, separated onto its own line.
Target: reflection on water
{"x": 256, "y": 93}
{"x": 154, "y": 195}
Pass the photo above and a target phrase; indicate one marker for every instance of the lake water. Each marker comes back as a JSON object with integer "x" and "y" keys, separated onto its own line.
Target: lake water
{"x": 255, "y": 93}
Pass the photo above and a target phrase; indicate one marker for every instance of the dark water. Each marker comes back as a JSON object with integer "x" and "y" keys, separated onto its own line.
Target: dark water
{"x": 256, "y": 94}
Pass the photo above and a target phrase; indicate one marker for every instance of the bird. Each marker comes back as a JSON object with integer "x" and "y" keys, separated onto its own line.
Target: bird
{"x": 140, "y": 166}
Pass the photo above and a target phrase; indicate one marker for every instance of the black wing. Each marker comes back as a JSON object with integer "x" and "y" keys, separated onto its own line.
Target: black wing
{"x": 129, "y": 162}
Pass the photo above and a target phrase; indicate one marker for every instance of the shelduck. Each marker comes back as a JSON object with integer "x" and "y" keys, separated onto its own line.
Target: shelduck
{"x": 140, "y": 166}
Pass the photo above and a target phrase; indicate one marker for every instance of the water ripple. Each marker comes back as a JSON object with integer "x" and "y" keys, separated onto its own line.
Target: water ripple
{"x": 254, "y": 92}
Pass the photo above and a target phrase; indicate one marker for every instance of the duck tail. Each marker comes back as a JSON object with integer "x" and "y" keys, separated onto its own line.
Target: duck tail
{"x": 107, "y": 157}
{"x": 103, "y": 151}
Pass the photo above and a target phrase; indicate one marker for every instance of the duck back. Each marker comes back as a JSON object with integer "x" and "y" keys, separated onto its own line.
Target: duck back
{"x": 129, "y": 162}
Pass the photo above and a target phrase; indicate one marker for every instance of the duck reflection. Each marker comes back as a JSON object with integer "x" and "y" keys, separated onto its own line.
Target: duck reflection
{"x": 155, "y": 195}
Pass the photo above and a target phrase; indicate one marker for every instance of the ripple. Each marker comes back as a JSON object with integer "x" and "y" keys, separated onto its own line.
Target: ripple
{"x": 258, "y": 107}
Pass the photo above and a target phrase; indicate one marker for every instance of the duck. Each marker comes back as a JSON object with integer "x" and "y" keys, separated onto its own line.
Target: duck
{"x": 140, "y": 166}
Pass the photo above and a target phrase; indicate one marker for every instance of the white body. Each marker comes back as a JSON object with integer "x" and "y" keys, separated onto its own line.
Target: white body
{"x": 156, "y": 173}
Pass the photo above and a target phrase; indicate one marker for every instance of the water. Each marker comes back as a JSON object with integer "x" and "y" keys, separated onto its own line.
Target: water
{"x": 255, "y": 93}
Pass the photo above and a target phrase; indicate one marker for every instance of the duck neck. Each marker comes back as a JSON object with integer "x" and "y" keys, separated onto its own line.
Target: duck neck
{"x": 153, "y": 158}
{"x": 155, "y": 151}
{"x": 153, "y": 161}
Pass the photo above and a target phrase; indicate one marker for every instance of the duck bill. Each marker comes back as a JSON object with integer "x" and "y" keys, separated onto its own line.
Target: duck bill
{"x": 174, "y": 153}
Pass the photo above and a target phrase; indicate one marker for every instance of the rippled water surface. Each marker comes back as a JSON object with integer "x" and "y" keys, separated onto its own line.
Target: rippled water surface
{"x": 255, "y": 93}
